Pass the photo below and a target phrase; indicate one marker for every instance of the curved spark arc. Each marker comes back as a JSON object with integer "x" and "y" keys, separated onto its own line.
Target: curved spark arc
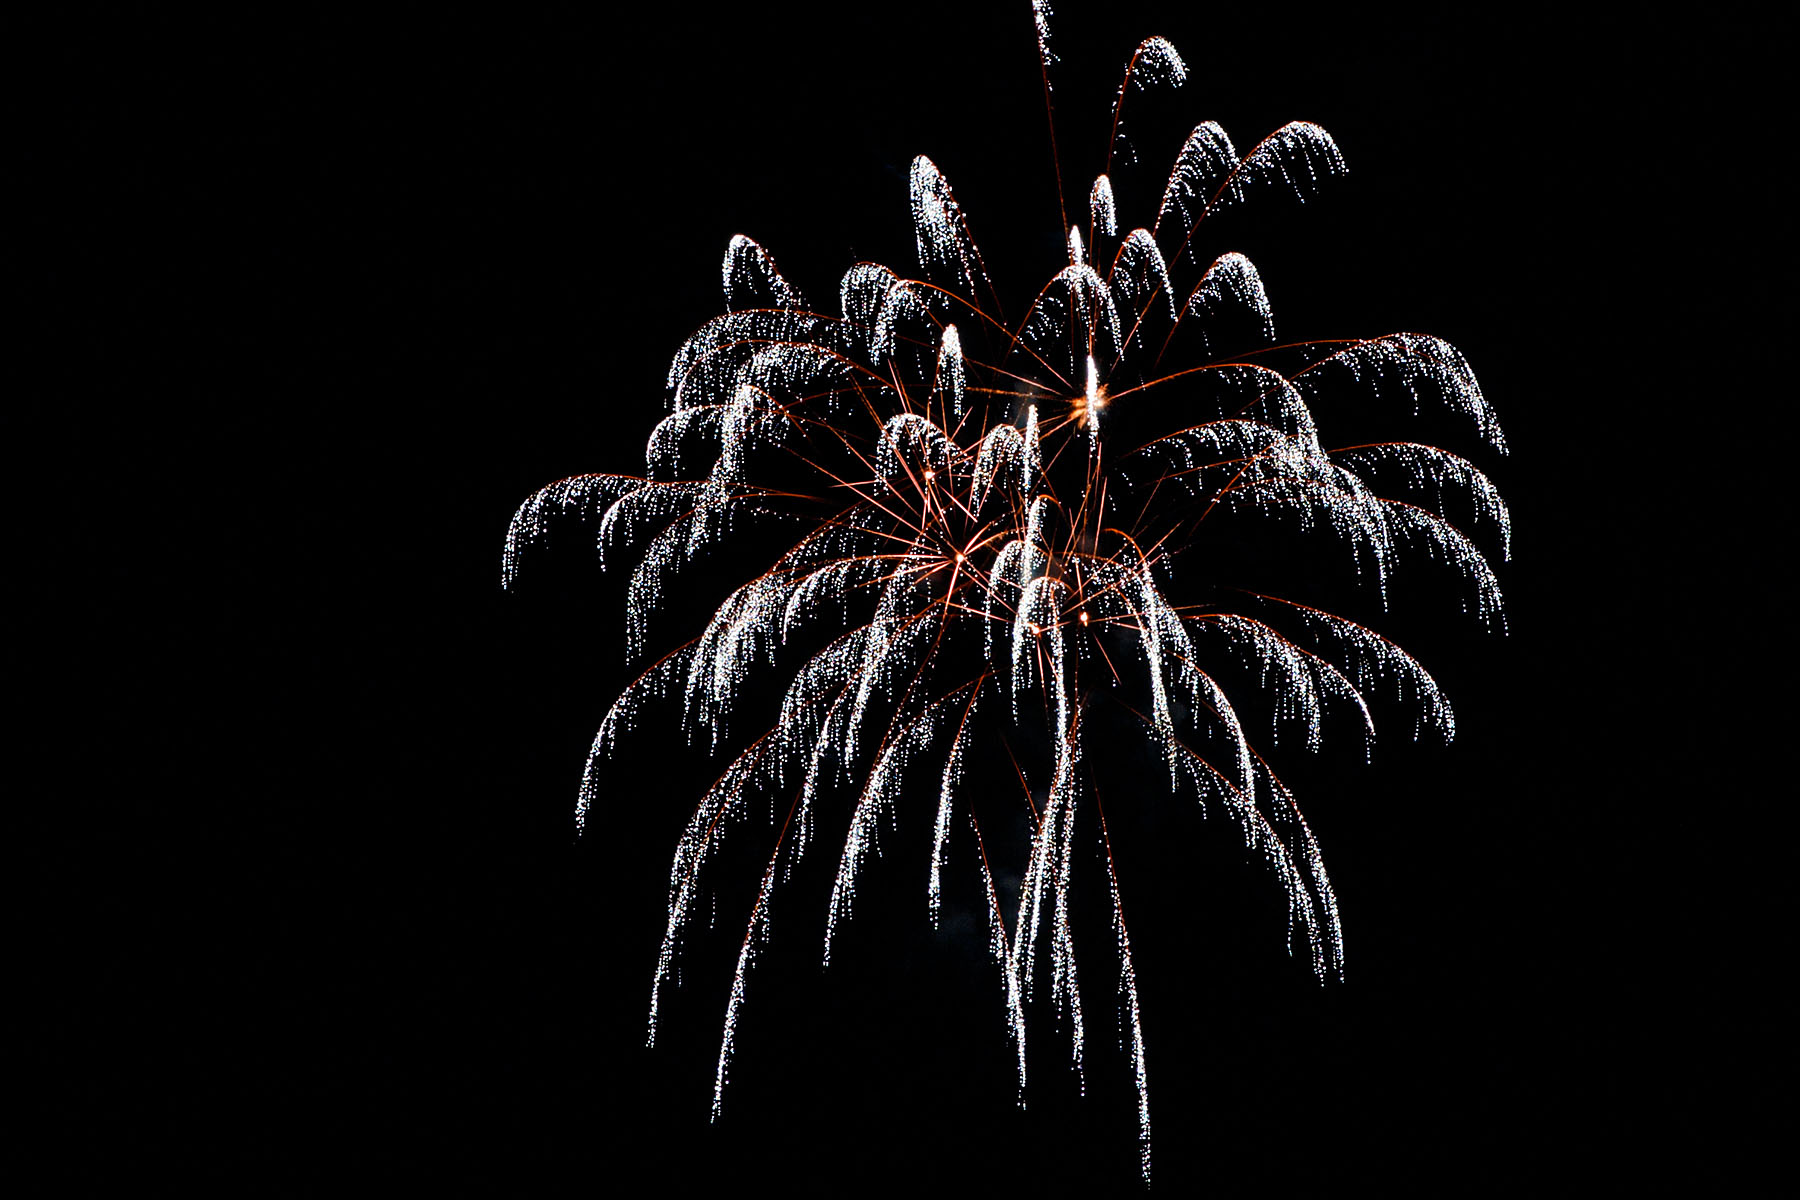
{"x": 978, "y": 555}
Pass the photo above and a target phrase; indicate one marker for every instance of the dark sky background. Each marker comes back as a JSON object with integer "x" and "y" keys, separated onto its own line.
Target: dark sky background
{"x": 339, "y": 296}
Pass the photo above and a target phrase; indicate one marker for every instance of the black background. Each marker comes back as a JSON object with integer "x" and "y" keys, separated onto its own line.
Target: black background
{"x": 327, "y": 299}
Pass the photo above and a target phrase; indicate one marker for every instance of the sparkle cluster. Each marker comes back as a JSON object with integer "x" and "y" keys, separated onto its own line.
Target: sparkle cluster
{"x": 978, "y": 550}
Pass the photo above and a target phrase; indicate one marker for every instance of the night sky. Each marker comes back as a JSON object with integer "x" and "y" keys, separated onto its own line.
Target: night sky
{"x": 338, "y": 297}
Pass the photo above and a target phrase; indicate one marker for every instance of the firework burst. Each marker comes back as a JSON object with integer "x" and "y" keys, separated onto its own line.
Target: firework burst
{"x": 974, "y": 523}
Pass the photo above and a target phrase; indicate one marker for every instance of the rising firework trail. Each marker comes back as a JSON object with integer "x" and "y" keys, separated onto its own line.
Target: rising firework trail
{"x": 974, "y": 526}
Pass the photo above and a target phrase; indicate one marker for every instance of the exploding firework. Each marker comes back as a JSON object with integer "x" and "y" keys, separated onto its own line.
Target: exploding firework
{"x": 983, "y": 532}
